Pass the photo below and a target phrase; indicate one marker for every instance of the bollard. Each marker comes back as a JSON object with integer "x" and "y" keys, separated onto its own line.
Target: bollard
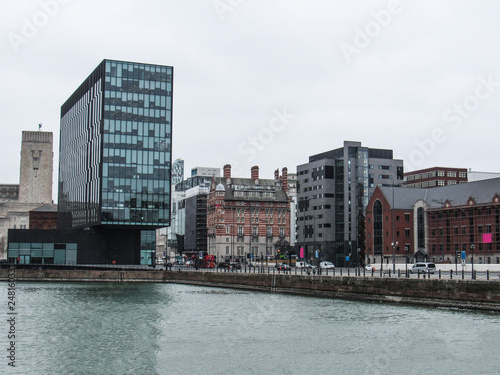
{"x": 439, "y": 274}
{"x": 487, "y": 274}
{"x": 451, "y": 274}
{"x": 348, "y": 272}
{"x": 341, "y": 272}
{"x": 463, "y": 274}
{"x": 389, "y": 273}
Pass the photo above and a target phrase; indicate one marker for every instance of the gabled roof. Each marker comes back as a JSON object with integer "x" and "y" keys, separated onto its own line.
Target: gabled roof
{"x": 47, "y": 207}
{"x": 458, "y": 195}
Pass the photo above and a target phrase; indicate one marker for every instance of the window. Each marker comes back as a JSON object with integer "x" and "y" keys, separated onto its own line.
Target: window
{"x": 407, "y": 217}
{"x": 407, "y": 232}
{"x": 282, "y": 231}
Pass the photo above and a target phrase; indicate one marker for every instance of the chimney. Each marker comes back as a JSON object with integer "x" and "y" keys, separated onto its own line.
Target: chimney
{"x": 255, "y": 172}
{"x": 284, "y": 179}
{"x": 227, "y": 171}
{"x": 277, "y": 174}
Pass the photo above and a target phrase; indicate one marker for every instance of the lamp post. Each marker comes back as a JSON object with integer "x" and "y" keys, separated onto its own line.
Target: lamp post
{"x": 472, "y": 257}
{"x": 393, "y": 233}
{"x": 406, "y": 259}
{"x": 394, "y": 244}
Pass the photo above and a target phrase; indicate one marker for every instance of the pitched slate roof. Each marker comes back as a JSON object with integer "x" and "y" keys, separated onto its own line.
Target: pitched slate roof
{"x": 481, "y": 191}
{"x": 47, "y": 207}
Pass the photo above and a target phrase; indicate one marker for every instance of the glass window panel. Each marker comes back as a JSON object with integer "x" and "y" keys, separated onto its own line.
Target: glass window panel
{"x": 24, "y": 246}
{"x": 14, "y": 253}
{"x": 70, "y": 256}
{"x": 36, "y": 253}
{"x": 14, "y": 245}
{"x": 59, "y": 256}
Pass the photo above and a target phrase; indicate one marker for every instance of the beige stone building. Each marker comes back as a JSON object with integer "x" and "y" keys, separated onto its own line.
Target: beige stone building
{"x": 34, "y": 188}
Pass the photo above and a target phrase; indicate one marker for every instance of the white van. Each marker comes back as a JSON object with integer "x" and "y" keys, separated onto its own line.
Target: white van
{"x": 301, "y": 264}
{"x": 327, "y": 265}
{"x": 423, "y": 268}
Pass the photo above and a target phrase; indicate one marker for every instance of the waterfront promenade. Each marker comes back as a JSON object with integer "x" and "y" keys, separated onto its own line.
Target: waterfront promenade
{"x": 460, "y": 290}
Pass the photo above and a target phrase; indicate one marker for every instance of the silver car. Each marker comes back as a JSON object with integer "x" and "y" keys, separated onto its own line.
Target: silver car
{"x": 423, "y": 268}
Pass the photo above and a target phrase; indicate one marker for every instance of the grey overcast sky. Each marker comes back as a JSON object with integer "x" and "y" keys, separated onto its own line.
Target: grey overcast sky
{"x": 271, "y": 82}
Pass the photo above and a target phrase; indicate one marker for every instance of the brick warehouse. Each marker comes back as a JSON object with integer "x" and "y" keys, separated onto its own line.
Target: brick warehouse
{"x": 248, "y": 216}
{"x": 435, "y": 224}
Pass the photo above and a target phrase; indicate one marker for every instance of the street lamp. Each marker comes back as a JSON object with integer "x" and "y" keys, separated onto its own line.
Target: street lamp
{"x": 406, "y": 259}
{"x": 394, "y": 244}
{"x": 472, "y": 258}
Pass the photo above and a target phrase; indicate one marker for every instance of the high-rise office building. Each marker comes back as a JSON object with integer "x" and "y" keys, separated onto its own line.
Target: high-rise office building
{"x": 115, "y": 151}
{"x": 177, "y": 172}
{"x": 114, "y": 169}
{"x": 333, "y": 190}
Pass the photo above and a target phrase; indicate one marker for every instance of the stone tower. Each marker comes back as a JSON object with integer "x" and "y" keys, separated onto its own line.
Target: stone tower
{"x": 37, "y": 162}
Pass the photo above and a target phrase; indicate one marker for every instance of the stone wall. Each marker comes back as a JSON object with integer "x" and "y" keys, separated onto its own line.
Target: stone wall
{"x": 474, "y": 294}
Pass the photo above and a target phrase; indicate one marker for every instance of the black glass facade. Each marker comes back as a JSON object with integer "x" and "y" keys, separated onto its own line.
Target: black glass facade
{"x": 115, "y": 147}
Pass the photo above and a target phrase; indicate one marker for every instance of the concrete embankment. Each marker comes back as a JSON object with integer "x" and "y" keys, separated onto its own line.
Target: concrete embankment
{"x": 472, "y": 294}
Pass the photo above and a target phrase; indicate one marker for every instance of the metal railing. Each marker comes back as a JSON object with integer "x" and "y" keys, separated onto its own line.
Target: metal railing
{"x": 293, "y": 271}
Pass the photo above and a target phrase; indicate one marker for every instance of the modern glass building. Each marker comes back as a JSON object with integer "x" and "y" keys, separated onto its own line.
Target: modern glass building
{"x": 115, "y": 154}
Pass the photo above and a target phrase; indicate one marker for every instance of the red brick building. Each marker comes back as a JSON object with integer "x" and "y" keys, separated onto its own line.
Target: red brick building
{"x": 435, "y": 224}
{"x": 390, "y": 232}
{"x": 44, "y": 217}
{"x": 248, "y": 216}
{"x": 435, "y": 177}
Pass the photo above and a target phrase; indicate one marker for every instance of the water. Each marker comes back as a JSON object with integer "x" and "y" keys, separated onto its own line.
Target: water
{"x": 103, "y": 328}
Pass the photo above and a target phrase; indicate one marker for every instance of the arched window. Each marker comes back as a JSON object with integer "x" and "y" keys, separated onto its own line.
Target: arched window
{"x": 420, "y": 228}
{"x": 377, "y": 227}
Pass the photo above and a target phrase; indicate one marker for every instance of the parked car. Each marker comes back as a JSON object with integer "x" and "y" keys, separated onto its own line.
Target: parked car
{"x": 302, "y": 264}
{"x": 235, "y": 265}
{"x": 283, "y": 267}
{"x": 326, "y": 265}
{"x": 369, "y": 267}
{"x": 230, "y": 265}
{"x": 159, "y": 261}
{"x": 423, "y": 268}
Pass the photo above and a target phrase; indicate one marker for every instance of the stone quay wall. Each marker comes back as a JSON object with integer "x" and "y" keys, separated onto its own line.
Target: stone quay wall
{"x": 470, "y": 294}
